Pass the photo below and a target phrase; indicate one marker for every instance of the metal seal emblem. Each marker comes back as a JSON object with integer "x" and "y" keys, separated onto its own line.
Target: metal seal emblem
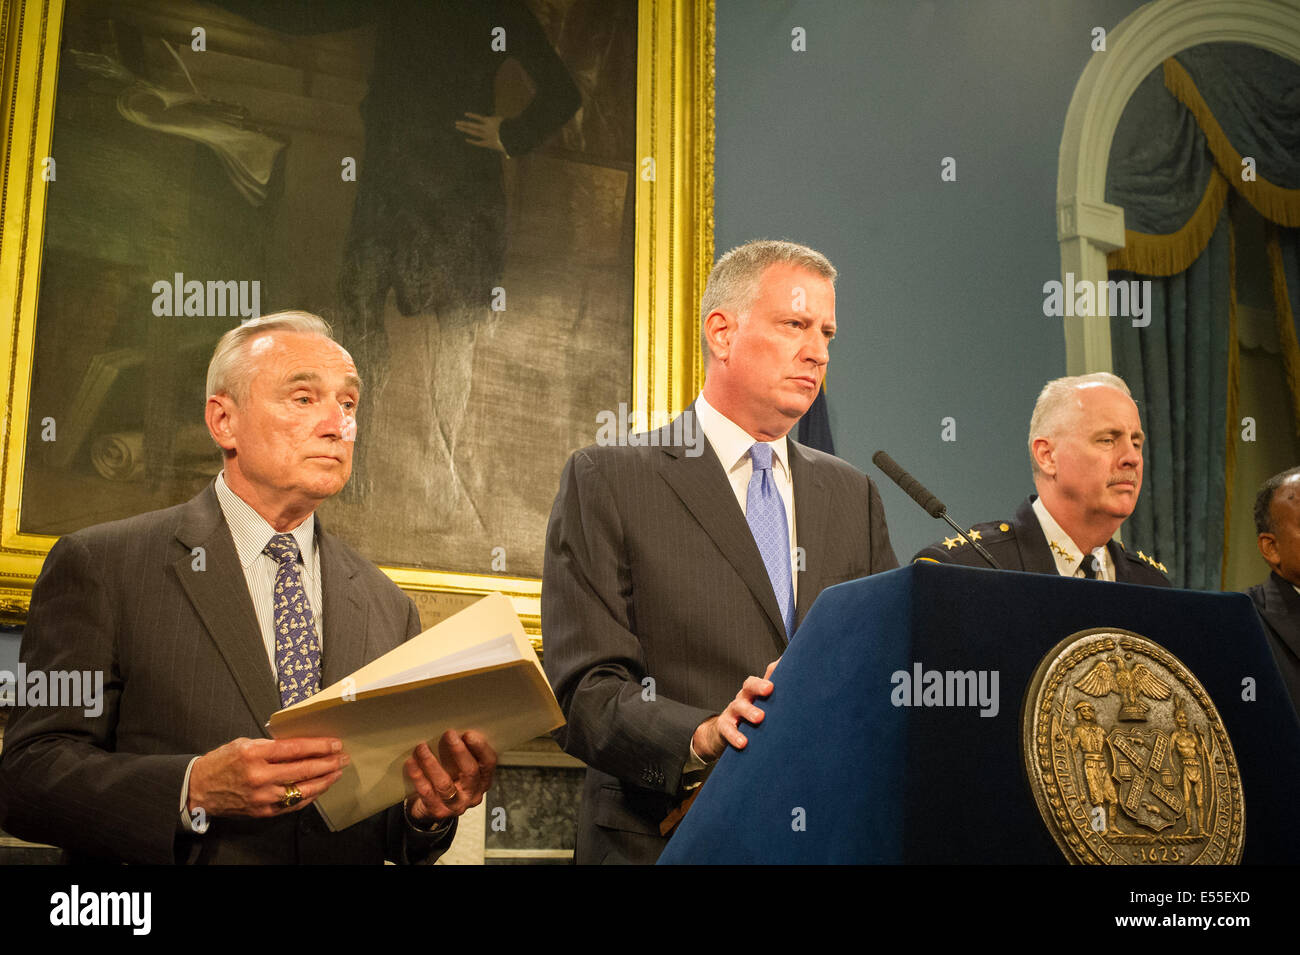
{"x": 1128, "y": 758}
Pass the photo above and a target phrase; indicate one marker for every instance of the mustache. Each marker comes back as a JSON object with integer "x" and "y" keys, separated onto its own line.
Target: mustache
{"x": 1124, "y": 477}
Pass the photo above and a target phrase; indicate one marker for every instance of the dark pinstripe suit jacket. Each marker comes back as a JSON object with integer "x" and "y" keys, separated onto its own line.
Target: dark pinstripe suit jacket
{"x": 185, "y": 670}
{"x": 651, "y": 574}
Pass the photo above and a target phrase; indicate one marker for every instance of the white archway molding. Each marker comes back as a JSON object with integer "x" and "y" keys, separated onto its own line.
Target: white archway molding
{"x": 1087, "y": 227}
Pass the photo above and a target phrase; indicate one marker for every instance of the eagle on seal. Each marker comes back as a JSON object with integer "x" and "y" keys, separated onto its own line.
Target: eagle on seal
{"x": 1131, "y": 685}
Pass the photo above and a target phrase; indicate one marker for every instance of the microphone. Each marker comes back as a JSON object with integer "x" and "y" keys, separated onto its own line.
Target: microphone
{"x": 928, "y": 502}
{"x": 910, "y": 485}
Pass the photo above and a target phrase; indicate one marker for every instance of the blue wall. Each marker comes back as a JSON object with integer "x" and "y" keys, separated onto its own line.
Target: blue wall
{"x": 940, "y": 296}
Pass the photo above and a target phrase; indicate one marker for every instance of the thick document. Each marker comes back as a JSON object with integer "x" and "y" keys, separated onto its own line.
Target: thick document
{"x": 475, "y": 670}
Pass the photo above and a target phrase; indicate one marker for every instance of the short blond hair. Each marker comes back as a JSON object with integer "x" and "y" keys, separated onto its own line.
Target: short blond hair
{"x": 1054, "y": 404}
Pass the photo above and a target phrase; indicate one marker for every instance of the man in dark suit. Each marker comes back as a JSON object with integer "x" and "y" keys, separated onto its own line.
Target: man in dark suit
{"x": 1277, "y": 523}
{"x": 678, "y": 566}
{"x": 1085, "y": 449}
{"x": 203, "y": 620}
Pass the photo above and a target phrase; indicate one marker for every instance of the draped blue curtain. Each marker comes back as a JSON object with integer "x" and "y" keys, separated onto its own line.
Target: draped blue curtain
{"x": 1177, "y": 369}
{"x": 1172, "y": 184}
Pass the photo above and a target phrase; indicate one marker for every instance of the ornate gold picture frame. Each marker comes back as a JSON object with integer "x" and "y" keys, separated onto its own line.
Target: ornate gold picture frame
{"x": 672, "y": 253}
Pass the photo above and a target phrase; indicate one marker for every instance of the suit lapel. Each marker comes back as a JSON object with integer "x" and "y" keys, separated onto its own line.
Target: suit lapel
{"x": 345, "y": 636}
{"x": 219, "y": 594}
{"x": 1035, "y": 556}
{"x": 701, "y": 484}
{"x": 811, "y": 516}
{"x": 1282, "y": 610}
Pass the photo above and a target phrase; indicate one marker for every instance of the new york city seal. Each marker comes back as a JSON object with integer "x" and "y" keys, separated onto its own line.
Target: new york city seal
{"x": 1128, "y": 758}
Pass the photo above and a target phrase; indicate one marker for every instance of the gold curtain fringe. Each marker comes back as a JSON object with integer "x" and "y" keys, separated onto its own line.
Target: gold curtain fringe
{"x": 1174, "y": 252}
{"x": 1284, "y": 313}
{"x": 1168, "y": 254}
{"x": 1234, "y": 381}
{"x": 1273, "y": 202}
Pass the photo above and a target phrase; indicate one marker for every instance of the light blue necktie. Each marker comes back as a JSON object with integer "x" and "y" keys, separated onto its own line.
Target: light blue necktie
{"x": 765, "y": 512}
{"x": 297, "y": 648}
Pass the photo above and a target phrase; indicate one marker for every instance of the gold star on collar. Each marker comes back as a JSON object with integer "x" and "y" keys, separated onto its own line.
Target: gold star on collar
{"x": 975, "y": 535}
{"x": 1061, "y": 551}
{"x": 951, "y": 542}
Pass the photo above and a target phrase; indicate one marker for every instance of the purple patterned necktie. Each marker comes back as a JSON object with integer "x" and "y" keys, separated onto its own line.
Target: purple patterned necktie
{"x": 297, "y": 648}
{"x": 765, "y": 512}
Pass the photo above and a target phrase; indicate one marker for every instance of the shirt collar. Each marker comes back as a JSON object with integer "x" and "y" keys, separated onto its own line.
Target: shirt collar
{"x": 731, "y": 442}
{"x": 250, "y": 530}
{"x": 1062, "y": 545}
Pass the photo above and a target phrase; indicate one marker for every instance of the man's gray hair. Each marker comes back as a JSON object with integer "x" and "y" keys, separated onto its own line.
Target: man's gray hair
{"x": 733, "y": 283}
{"x": 229, "y": 371}
{"x": 1056, "y": 400}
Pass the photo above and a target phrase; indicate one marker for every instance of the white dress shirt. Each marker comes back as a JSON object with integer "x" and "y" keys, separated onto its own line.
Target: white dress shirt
{"x": 1068, "y": 556}
{"x": 251, "y": 534}
{"x": 731, "y": 443}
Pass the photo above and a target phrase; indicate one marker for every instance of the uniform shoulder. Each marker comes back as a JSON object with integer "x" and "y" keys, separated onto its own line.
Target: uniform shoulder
{"x": 1145, "y": 567}
{"x": 954, "y": 549}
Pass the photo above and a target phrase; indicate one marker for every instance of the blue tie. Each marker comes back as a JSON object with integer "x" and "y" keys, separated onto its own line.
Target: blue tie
{"x": 765, "y": 512}
{"x": 297, "y": 648}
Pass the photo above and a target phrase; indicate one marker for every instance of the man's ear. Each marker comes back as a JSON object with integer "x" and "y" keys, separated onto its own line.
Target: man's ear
{"x": 719, "y": 330}
{"x": 1268, "y": 550}
{"x": 220, "y": 415}
{"x": 1045, "y": 456}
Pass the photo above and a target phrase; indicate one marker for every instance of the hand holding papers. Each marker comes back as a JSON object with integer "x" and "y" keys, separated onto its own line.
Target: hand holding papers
{"x": 474, "y": 671}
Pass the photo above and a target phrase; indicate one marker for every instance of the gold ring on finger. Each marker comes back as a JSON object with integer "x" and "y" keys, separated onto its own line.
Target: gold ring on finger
{"x": 292, "y": 796}
{"x": 451, "y": 794}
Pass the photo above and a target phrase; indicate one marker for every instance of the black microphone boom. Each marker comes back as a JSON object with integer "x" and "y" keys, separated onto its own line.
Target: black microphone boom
{"x": 910, "y": 485}
{"x": 929, "y": 503}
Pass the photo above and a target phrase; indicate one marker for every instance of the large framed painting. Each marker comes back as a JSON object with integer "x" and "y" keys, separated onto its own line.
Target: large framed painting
{"x": 503, "y": 208}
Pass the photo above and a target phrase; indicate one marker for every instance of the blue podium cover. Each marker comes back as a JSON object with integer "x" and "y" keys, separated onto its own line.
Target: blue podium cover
{"x": 838, "y": 773}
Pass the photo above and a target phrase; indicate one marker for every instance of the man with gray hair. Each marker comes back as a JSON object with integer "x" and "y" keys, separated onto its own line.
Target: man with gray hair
{"x": 208, "y": 617}
{"x": 1085, "y": 451}
{"x": 674, "y": 575}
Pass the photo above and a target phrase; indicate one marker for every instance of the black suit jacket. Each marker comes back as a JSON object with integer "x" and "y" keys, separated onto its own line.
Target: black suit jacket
{"x": 656, "y": 606}
{"x": 1020, "y": 544}
{"x": 1279, "y": 608}
{"x": 158, "y": 603}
